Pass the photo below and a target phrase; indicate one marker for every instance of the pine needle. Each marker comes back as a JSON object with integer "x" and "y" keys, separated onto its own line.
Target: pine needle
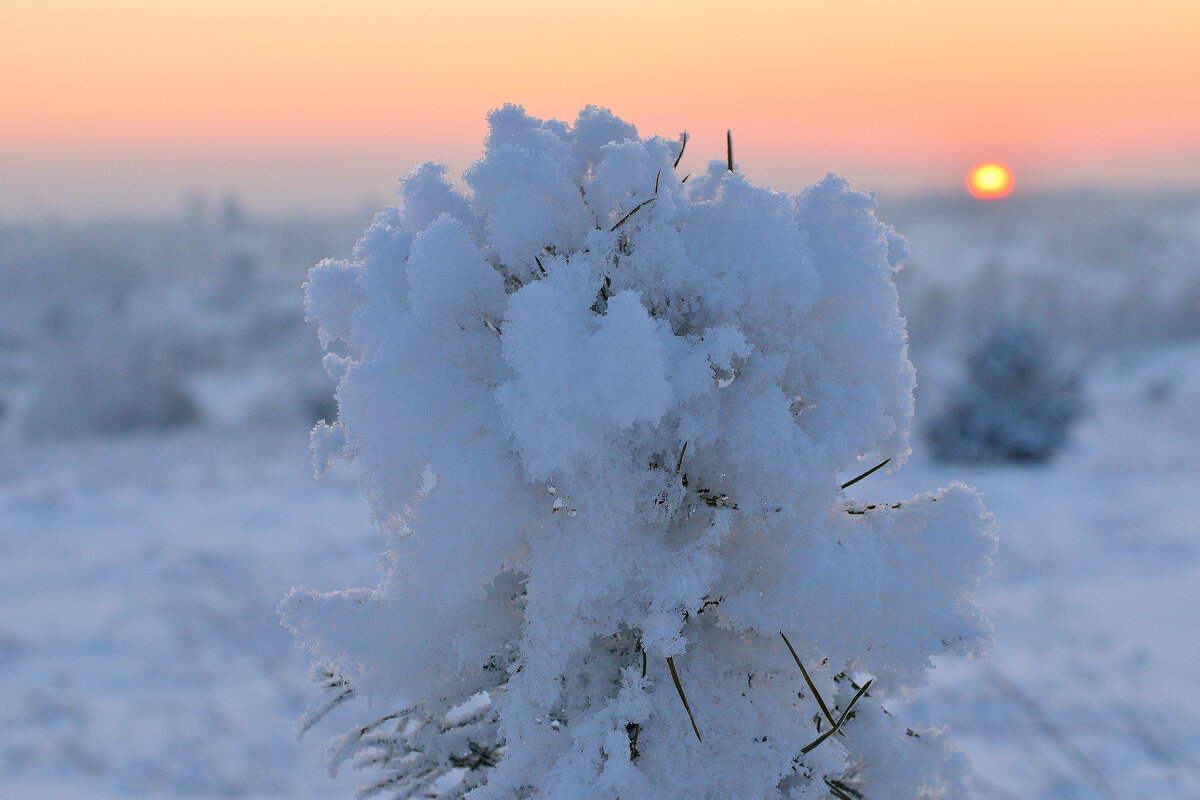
{"x": 683, "y": 697}
{"x": 729, "y": 149}
{"x": 539, "y": 263}
{"x": 837, "y": 726}
{"x": 656, "y": 179}
{"x": 853, "y": 481}
{"x": 837, "y": 792}
{"x": 683, "y": 146}
{"x": 843, "y": 792}
{"x": 679, "y": 461}
{"x": 636, "y": 209}
{"x": 812, "y": 687}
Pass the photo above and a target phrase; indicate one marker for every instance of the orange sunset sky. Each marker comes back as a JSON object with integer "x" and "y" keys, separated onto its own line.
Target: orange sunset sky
{"x": 125, "y": 105}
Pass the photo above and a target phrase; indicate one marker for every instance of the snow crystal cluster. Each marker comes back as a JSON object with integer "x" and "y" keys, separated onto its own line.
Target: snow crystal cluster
{"x": 602, "y": 414}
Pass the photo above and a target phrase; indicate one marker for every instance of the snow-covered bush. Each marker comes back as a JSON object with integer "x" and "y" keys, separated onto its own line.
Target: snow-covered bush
{"x": 1017, "y": 402}
{"x": 602, "y": 422}
{"x": 165, "y": 358}
{"x": 106, "y": 373}
{"x": 147, "y": 324}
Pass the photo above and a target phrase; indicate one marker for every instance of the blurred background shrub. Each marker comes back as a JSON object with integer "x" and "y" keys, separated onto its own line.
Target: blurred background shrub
{"x": 1016, "y": 403}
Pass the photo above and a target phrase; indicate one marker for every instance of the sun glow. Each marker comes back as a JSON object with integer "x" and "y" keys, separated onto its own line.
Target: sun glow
{"x": 990, "y": 180}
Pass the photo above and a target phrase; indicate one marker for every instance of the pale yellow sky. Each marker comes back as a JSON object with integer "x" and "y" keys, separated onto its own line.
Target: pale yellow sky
{"x": 127, "y": 103}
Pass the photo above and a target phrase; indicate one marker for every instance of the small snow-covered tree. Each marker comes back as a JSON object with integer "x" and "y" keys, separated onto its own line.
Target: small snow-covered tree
{"x": 602, "y": 416}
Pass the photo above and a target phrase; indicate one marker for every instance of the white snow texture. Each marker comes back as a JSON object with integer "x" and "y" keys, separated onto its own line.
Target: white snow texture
{"x": 602, "y": 416}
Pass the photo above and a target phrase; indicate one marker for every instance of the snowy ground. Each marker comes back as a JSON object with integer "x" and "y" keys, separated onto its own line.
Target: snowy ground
{"x": 140, "y": 653}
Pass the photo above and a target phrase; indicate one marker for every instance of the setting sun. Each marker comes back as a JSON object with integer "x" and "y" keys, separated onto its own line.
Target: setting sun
{"x": 989, "y": 180}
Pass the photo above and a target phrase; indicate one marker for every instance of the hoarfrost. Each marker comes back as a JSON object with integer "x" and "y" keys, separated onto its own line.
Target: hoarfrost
{"x": 603, "y": 417}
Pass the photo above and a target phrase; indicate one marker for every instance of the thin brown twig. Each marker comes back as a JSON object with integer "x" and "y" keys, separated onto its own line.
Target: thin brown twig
{"x": 729, "y": 149}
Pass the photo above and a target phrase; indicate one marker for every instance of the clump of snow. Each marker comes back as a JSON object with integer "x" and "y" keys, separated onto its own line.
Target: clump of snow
{"x": 603, "y": 417}
{"x": 473, "y": 706}
{"x": 1018, "y": 401}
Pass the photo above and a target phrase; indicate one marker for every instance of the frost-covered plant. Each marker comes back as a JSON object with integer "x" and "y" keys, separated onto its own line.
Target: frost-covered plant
{"x": 601, "y": 415}
{"x": 1017, "y": 402}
